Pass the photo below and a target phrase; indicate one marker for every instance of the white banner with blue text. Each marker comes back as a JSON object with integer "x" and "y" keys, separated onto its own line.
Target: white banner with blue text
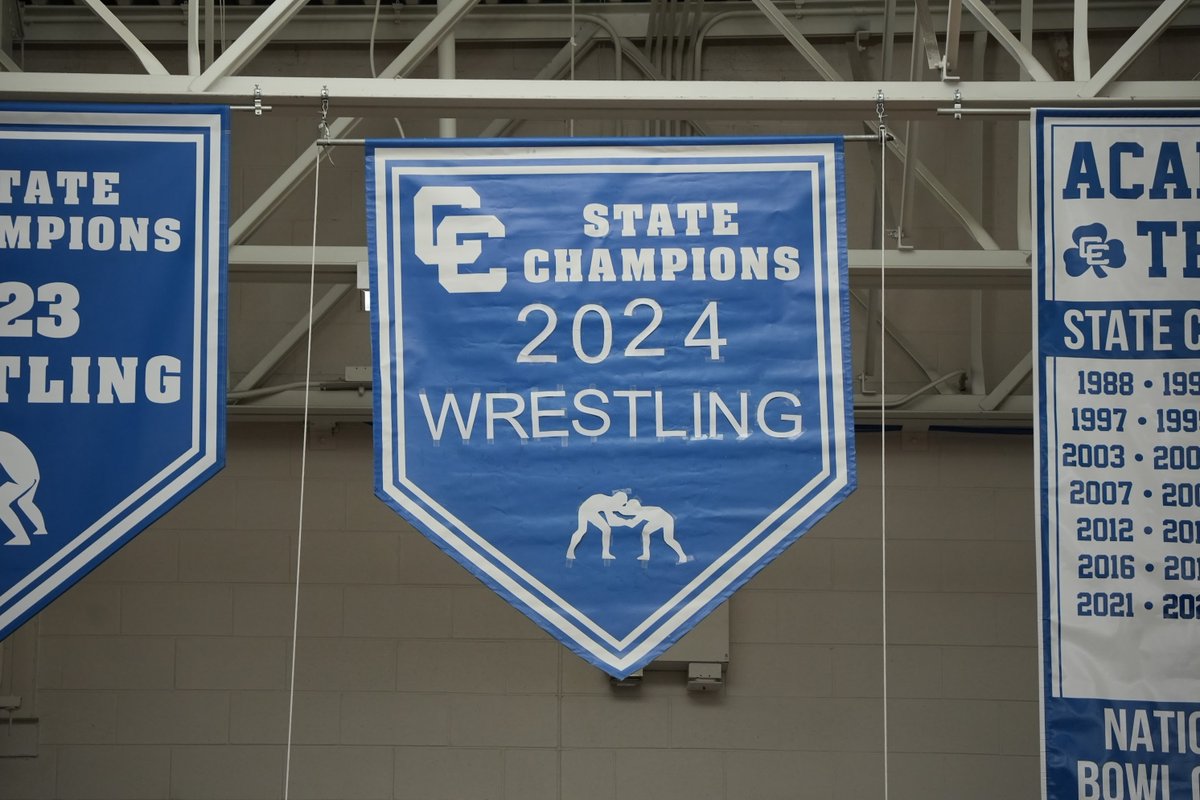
{"x": 1117, "y": 373}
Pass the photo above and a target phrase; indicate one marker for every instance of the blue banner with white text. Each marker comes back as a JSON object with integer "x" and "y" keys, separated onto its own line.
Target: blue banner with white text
{"x": 1117, "y": 372}
{"x": 112, "y": 340}
{"x": 612, "y": 376}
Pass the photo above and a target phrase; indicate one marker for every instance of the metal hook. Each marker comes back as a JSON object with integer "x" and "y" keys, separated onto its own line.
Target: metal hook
{"x": 957, "y": 104}
{"x": 258, "y": 106}
{"x": 881, "y": 114}
{"x": 325, "y": 111}
{"x": 324, "y": 124}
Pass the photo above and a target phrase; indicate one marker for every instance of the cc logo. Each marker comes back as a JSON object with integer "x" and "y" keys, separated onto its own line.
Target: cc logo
{"x": 442, "y": 244}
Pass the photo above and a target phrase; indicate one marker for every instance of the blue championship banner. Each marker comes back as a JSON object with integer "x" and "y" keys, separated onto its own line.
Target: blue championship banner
{"x": 112, "y": 343}
{"x": 1117, "y": 290}
{"x": 612, "y": 376}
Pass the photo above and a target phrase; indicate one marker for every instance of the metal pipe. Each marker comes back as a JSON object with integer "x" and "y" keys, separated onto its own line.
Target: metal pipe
{"x": 1082, "y": 55}
{"x": 854, "y": 137}
{"x": 210, "y": 32}
{"x": 447, "y": 70}
{"x": 193, "y": 37}
{"x": 983, "y": 112}
{"x": 912, "y": 136}
{"x": 953, "y": 36}
{"x": 889, "y": 38}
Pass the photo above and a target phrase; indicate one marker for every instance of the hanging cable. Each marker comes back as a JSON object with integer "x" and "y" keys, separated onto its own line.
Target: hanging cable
{"x": 371, "y": 57}
{"x": 371, "y": 41}
{"x": 312, "y": 285}
{"x": 571, "y": 122}
{"x": 881, "y": 113}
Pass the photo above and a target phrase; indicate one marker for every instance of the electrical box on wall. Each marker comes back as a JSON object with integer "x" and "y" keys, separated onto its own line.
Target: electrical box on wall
{"x": 703, "y": 654}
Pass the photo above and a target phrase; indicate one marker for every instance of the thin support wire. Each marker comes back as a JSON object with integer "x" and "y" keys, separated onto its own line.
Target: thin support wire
{"x": 571, "y": 122}
{"x": 881, "y": 113}
{"x": 312, "y": 283}
{"x": 371, "y": 42}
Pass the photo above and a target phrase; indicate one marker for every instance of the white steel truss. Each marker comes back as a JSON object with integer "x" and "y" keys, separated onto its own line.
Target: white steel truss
{"x": 663, "y": 40}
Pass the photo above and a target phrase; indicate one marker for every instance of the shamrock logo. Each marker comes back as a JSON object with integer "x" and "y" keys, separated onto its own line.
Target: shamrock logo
{"x": 1093, "y": 250}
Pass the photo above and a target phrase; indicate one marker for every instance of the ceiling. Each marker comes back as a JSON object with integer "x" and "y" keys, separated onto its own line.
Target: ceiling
{"x": 661, "y": 66}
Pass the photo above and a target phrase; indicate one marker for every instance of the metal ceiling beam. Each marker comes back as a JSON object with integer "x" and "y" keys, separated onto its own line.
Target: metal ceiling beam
{"x": 597, "y": 99}
{"x": 953, "y": 37}
{"x": 401, "y": 22}
{"x": 287, "y": 263}
{"x": 193, "y": 40}
{"x": 977, "y": 374}
{"x": 942, "y": 194}
{"x": 1015, "y": 411}
{"x": 1008, "y": 384}
{"x": 148, "y": 61}
{"x": 1012, "y": 44}
{"x": 403, "y": 64}
{"x": 912, "y": 137}
{"x": 889, "y": 38}
{"x": 923, "y": 29}
{"x": 249, "y": 43}
{"x": 944, "y": 269}
{"x": 875, "y": 322}
{"x": 1133, "y": 47}
{"x": 267, "y": 364}
{"x": 555, "y": 68}
{"x": 1081, "y": 48}
{"x": 10, "y": 28}
{"x": 792, "y": 33}
{"x": 210, "y": 31}
{"x": 644, "y": 65}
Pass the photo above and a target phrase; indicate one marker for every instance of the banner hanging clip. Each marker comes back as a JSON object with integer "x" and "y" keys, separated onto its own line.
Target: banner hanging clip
{"x": 323, "y": 125}
{"x": 258, "y": 108}
{"x": 881, "y": 114}
{"x": 958, "y": 104}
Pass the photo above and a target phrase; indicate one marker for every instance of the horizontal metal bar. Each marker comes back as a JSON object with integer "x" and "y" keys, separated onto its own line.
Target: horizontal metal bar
{"x": 983, "y": 112}
{"x": 932, "y": 409}
{"x": 595, "y": 98}
{"x": 851, "y": 137}
{"x": 934, "y": 269}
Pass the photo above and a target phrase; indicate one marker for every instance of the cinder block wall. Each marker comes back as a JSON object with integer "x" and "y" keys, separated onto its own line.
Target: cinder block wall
{"x": 164, "y": 673}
